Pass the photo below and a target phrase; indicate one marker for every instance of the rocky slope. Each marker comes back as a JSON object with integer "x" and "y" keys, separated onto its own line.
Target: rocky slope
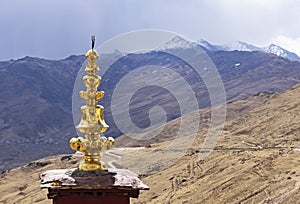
{"x": 255, "y": 161}
{"x": 243, "y": 74}
{"x": 35, "y": 107}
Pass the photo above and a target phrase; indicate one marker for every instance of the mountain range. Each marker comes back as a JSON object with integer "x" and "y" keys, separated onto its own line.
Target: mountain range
{"x": 179, "y": 42}
{"x": 36, "y": 103}
{"x": 242, "y": 46}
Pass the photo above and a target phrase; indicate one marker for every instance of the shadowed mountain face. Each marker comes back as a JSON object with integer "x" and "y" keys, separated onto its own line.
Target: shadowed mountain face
{"x": 246, "y": 73}
{"x": 35, "y": 95}
{"x": 35, "y": 107}
{"x": 243, "y": 74}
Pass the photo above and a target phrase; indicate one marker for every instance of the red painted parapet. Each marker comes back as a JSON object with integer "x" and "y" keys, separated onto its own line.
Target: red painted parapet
{"x": 91, "y": 187}
{"x": 92, "y": 196}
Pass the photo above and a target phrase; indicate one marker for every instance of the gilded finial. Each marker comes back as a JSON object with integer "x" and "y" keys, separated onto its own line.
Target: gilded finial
{"x": 93, "y": 41}
{"x": 92, "y": 121}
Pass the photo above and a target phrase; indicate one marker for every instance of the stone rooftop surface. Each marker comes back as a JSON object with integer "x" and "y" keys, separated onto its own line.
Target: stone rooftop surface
{"x": 73, "y": 178}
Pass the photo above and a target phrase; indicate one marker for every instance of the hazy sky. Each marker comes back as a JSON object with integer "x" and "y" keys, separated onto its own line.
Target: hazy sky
{"x": 55, "y": 29}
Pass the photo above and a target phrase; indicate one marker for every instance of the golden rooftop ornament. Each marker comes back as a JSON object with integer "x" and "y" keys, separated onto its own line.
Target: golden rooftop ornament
{"x": 92, "y": 120}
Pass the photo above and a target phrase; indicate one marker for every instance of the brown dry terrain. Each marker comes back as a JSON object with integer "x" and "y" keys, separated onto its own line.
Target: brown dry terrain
{"x": 256, "y": 160}
{"x": 22, "y": 184}
{"x": 234, "y": 109}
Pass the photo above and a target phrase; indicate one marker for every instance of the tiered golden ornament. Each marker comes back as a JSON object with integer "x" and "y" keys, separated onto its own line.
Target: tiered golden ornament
{"x": 92, "y": 120}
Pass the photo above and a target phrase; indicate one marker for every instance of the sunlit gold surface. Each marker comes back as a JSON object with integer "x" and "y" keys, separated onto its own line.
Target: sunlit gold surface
{"x": 92, "y": 120}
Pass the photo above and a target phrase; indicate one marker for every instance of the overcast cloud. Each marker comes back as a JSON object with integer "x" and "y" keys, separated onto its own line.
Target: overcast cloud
{"x": 55, "y": 29}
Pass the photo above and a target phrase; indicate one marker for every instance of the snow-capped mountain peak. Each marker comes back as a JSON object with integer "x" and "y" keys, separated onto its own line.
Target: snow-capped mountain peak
{"x": 178, "y": 42}
{"x": 279, "y": 51}
{"x": 240, "y": 46}
{"x": 207, "y": 45}
{"x": 275, "y": 49}
{"x": 236, "y": 45}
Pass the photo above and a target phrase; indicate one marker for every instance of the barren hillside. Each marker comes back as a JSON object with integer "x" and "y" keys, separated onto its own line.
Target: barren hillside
{"x": 256, "y": 161}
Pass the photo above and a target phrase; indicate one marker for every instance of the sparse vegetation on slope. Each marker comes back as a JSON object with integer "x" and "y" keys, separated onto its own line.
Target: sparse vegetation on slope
{"x": 256, "y": 161}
